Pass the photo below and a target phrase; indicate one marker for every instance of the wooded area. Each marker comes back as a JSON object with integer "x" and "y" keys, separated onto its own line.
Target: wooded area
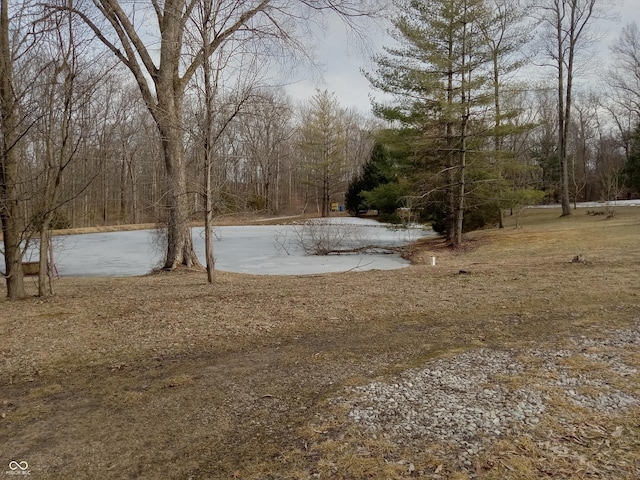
{"x": 165, "y": 112}
{"x": 480, "y": 131}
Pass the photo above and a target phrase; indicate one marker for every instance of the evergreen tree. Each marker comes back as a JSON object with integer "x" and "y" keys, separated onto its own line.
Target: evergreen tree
{"x": 323, "y": 143}
{"x": 386, "y": 198}
{"x": 439, "y": 77}
{"x": 376, "y": 172}
{"x": 454, "y": 117}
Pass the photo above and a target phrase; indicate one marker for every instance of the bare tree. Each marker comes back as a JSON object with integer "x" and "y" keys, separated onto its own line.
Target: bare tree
{"x": 219, "y": 106}
{"x": 15, "y": 41}
{"x": 67, "y": 83}
{"x": 128, "y": 138}
{"x": 9, "y": 164}
{"x": 623, "y": 99}
{"x": 581, "y": 149}
{"x": 625, "y": 75}
{"x": 566, "y": 29}
{"x": 609, "y": 171}
{"x": 207, "y": 16}
{"x": 266, "y": 133}
{"x": 162, "y": 79}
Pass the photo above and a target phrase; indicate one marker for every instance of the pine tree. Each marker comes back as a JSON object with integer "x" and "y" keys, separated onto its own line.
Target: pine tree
{"x": 376, "y": 172}
{"x": 323, "y": 144}
{"x": 439, "y": 77}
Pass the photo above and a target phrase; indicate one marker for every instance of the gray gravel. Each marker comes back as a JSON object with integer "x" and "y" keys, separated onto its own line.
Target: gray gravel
{"x": 465, "y": 401}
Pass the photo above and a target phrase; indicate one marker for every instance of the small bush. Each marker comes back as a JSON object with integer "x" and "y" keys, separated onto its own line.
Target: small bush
{"x": 321, "y": 238}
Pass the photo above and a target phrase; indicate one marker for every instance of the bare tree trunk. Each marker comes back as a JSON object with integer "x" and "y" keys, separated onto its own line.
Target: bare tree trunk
{"x": 11, "y": 233}
{"x": 105, "y": 199}
{"x": 325, "y": 196}
{"x": 562, "y": 130}
{"x": 180, "y": 250}
{"x": 449, "y": 195}
{"x": 571, "y": 18}
{"x": 9, "y": 193}
{"x": 134, "y": 194}
{"x": 122, "y": 214}
{"x": 461, "y": 179}
{"x": 465, "y": 100}
{"x": 208, "y": 224}
{"x": 207, "y": 144}
{"x": 45, "y": 287}
{"x": 276, "y": 198}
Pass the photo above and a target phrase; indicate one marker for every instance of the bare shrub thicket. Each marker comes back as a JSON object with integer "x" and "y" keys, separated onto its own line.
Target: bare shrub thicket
{"x": 322, "y": 238}
{"x": 318, "y": 237}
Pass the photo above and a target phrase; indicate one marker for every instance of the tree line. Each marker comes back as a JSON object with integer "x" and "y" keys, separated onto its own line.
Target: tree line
{"x": 122, "y": 112}
{"x": 473, "y": 130}
{"x": 164, "y": 112}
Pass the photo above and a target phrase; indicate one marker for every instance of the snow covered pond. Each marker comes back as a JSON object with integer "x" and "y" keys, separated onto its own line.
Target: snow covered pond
{"x": 265, "y": 249}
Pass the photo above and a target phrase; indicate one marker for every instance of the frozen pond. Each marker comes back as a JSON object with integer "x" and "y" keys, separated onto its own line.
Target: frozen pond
{"x": 266, "y": 249}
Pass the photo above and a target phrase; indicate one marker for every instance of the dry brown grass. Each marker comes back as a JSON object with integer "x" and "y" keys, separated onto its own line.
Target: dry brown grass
{"x": 164, "y": 376}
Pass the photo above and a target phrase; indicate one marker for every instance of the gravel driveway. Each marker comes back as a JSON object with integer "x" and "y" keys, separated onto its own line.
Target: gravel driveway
{"x": 470, "y": 400}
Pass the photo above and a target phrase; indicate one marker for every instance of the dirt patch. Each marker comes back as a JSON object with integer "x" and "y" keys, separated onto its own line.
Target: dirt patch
{"x": 164, "y": 376}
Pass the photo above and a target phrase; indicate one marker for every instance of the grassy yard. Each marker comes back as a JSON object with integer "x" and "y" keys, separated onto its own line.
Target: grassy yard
{"x": 164, "y": 376}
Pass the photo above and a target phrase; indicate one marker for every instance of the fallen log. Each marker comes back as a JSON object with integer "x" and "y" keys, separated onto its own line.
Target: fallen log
{"x": 369, "y": 249}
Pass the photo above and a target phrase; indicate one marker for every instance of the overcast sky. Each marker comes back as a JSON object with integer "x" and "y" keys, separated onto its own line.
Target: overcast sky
{"x": 342, "y": 59}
